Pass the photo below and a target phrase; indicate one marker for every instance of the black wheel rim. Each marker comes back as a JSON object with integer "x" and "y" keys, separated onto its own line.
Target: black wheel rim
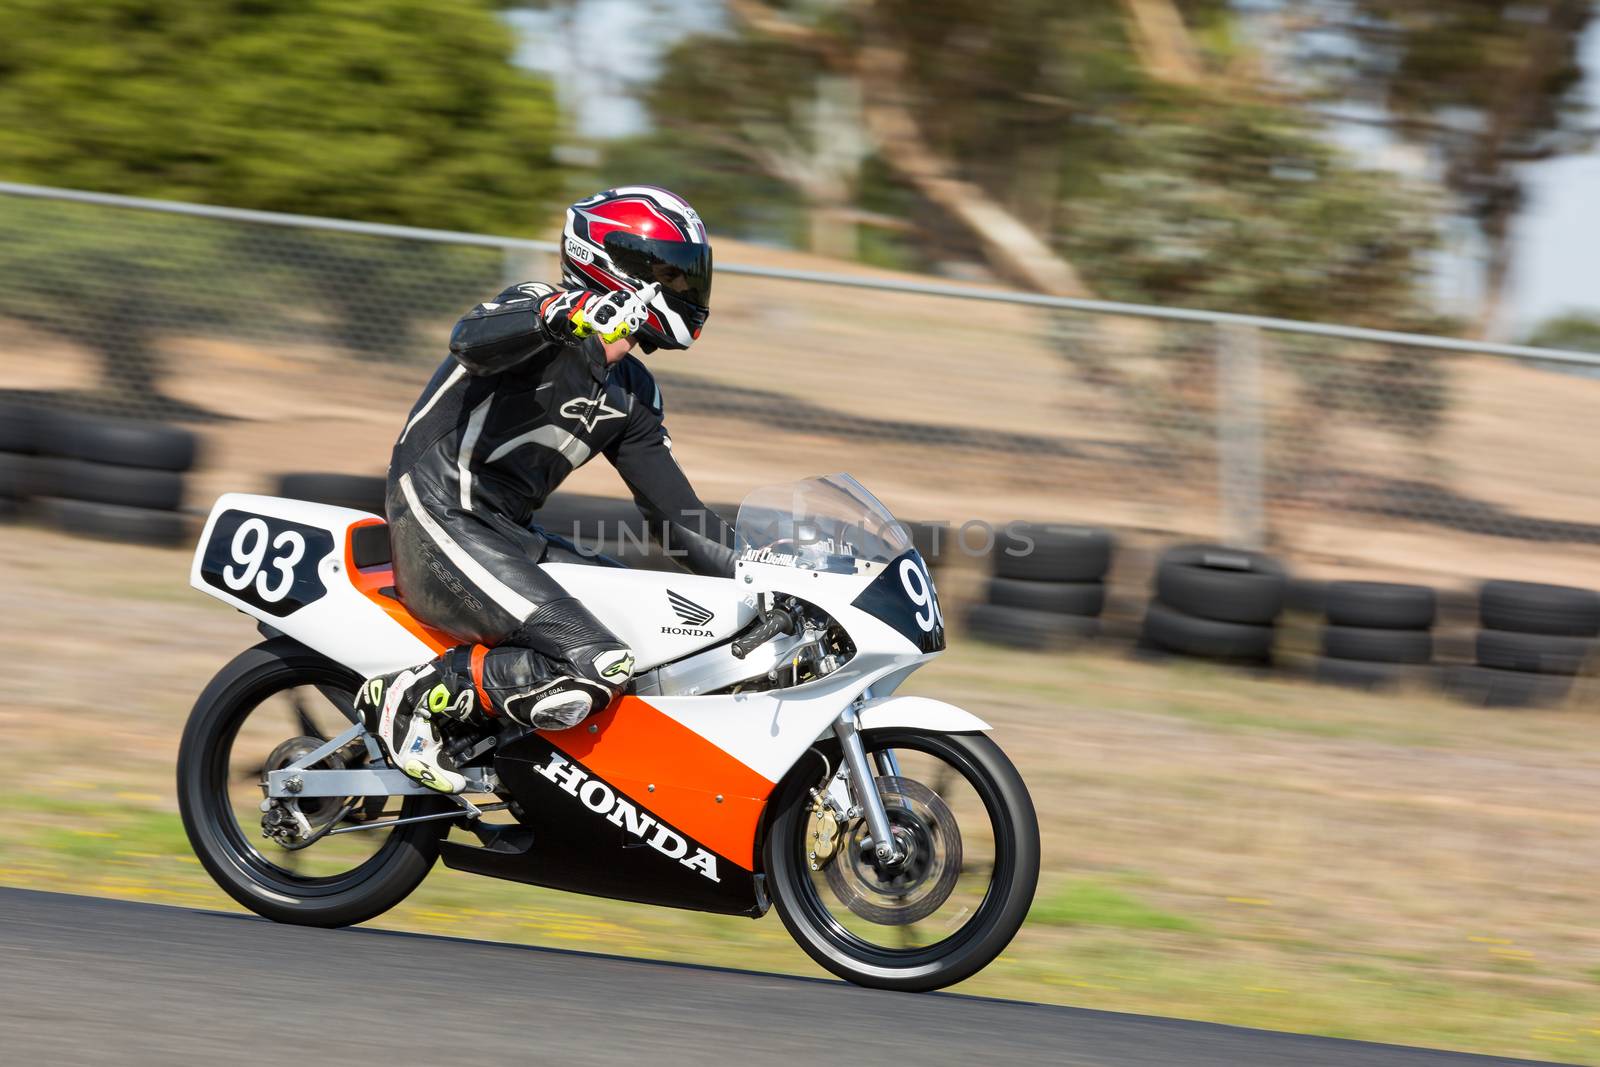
{"x": 306, "y": 872}
{"x": 847, "y": 935}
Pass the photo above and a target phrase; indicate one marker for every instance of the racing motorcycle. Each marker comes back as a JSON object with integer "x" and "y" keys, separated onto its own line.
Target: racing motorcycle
{"x": 761, "y": 755}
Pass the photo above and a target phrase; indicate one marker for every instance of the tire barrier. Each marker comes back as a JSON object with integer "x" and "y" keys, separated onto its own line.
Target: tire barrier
{"x": 1047, "y": 589}
{"x": 1045, "y": 552}
{"x": 1534, "y": 639}
{"x": 1508, "y": 650}
{"x": 114, "y": 522}
{"x": 18, "y": 442}
{"x": 1215, "y": 602}
{"x": 1025, "y": 628}
{"x": 1059, "y": 598}
{"x": 16, "y": 476}
{"x": 1378, "y": 634}
{"x": 19, "y": 430}
{"x": 114, "y": 479}
{"x": 1222, "y": 584}
{"x": 360, "y": 492}
{"x": 118, "y": 442}
{"x": 1380, "y": 605}
{"x": 1531, "y": 608}
{"x": 932, "y": 540}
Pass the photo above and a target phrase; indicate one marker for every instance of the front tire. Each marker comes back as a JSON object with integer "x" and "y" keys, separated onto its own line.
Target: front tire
{"x": 368, "y": 890}
{"x": 981, "y": 938}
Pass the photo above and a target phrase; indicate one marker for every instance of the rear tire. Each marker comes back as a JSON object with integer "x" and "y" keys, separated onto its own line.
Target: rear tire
{"x": 366, "y": 892}
{"x": 972, "y": 947}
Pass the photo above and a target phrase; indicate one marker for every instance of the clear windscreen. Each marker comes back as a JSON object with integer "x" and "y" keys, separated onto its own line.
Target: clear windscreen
{"x": 826, "y": 523}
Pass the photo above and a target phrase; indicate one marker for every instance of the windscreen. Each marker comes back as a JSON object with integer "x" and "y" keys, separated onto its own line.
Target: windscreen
{"x": 825, "y": 523}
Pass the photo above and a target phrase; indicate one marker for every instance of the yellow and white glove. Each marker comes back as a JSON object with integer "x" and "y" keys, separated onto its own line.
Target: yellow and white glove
{"x": 614, "y": 315}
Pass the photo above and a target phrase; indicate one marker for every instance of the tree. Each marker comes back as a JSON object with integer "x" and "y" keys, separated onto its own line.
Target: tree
{"x": 1125, "y": 148}
{"x": 1573, "y": 331}
{"x": 1483, "y": 85}
{"x": 408, "y": 112}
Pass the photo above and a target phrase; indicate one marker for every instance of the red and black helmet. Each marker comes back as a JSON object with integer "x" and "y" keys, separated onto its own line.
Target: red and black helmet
{"x": 627, "y": 237}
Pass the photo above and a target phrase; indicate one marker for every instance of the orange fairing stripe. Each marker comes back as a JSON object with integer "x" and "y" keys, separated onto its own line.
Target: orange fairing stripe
{"x": 634, "y": 746}
{"x": 478, "y": 652}
{"x": 371, "y": 579}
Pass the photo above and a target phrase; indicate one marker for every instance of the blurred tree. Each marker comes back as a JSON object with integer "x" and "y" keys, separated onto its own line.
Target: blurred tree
{"x": 1245, "y": 208}
{"x": 406, "y": 112}
{"x": 1133, "y": 149}
{"x": 1574, "y": 331}
{"x": 964, "y": 103}
{"x": 1483, "y": 85}
{"x": 1124, "y": 147}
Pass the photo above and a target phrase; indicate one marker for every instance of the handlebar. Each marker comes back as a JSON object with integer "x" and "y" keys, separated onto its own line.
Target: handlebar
{"x": 771, "y": 624}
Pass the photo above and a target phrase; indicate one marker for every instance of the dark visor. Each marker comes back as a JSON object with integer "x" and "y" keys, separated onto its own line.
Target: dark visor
{"x": 682, "y": 267}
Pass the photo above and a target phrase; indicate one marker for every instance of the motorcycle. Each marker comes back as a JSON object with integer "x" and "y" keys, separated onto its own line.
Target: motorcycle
{"x": 760, "y": 756}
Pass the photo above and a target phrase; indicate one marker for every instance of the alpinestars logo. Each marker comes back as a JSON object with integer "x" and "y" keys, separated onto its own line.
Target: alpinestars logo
{"x": 601, "y": 799}
{"x": 695, "y": 616}
{"x": 590, "y": 411}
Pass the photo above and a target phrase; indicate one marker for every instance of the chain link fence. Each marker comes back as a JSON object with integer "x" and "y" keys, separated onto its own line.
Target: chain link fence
{"x": 296, "y": 344}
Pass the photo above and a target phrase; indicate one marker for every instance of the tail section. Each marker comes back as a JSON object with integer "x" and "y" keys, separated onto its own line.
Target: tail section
{"x": 314, "y": 572}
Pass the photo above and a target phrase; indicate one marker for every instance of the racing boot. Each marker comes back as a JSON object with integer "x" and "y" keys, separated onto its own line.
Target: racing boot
{"x": 403, "y": 710}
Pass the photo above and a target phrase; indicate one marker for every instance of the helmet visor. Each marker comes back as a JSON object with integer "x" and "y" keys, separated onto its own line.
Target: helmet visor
{"x": 682, "y": 267}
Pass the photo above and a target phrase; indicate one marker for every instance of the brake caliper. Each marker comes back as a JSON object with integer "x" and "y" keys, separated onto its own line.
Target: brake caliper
{"x": 824, "y": 834}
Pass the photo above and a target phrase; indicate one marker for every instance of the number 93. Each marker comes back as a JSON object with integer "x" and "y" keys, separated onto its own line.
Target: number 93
{"x": 249, "y": 550}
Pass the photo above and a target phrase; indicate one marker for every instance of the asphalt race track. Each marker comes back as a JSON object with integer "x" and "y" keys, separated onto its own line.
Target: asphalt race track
{"x": 84, "y": 980}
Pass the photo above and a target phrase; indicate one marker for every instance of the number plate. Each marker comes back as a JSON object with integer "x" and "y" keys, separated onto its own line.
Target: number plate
{"x": 903, "y": 596}
{"x": 267, "y": 562}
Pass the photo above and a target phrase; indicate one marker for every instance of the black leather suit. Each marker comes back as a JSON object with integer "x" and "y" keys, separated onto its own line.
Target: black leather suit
{"x": 503, "y": 421}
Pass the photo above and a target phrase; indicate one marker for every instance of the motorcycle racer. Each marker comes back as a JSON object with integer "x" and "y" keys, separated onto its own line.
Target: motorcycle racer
{"x": 539, "y": 380}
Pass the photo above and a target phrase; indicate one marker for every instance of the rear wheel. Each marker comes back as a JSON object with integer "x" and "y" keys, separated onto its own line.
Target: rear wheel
{"x": 274, "y": 703}
{"x": 962, "y": 816}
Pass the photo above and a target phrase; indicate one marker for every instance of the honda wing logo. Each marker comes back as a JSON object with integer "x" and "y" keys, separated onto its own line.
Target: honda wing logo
{"x": 694, "y": 616}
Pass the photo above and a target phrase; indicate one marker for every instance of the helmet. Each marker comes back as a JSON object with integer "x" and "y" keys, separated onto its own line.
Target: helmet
{"x": 627, "y": 237}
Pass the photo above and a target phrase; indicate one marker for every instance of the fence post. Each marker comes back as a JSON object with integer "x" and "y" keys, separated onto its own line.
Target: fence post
{"x": 1239, "y": 435}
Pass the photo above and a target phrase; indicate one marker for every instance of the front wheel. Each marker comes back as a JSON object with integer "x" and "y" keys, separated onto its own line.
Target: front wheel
{"x": 273, "y": 703}
{"x": 964, "y": 820}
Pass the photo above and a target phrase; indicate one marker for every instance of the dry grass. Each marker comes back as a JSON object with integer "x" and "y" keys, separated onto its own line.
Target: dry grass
{"x": 1246, "y": 849}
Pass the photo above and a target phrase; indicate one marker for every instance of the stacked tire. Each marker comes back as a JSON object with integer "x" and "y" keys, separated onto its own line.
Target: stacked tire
{"x": 1377, "y": 634}
{"x": 18, "y": 442}
{"x": 1047, "y": 586}
{"x": 1534, "y": 639}
{"x": 1215, "y": 602}
{"x": 361, "y": 492}
{"x": 116, "y": 479}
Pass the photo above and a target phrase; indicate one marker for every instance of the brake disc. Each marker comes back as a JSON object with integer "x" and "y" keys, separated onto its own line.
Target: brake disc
{"x": 318, "y": 811}
{"x": 926, "y": 832}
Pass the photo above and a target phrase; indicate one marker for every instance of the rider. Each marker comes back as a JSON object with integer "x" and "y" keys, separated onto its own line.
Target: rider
{"x": 540, "y": 379}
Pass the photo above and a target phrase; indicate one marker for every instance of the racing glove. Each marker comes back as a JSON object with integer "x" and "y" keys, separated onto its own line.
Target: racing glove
{"x": 580, "y": 313}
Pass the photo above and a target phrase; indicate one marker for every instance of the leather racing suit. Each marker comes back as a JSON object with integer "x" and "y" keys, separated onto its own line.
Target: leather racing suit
{"x": 504, "y": 420}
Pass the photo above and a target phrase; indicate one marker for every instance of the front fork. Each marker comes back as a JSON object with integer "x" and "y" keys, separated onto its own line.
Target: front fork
{"x": 847, "y": 728}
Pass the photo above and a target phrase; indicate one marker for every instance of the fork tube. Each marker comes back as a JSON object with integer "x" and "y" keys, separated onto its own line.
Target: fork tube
{"x": 846, "y": 729}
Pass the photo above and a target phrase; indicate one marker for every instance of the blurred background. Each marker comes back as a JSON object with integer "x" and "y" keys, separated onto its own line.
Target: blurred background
{"x": 1312, "y": 282}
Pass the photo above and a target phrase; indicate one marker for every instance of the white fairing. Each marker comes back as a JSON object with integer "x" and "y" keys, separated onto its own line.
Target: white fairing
{"x": 661, "y": 616}
{"x": 344, "y": 625}
{"x": 921, "y": 712}
{"x": 665, "y": 618}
